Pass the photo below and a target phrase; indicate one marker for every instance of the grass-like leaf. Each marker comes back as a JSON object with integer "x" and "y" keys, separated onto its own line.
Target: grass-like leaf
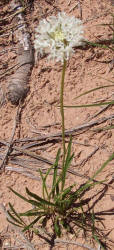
{"x": 32, "y": 213}
{"x": 44, "y": 187}
{"x": 32, "y": 223}
{"x": 68, "y": 160}
{"x": 57, "y": 227}
{"x": 56, "y": 187}
{"x": 94, "y": 89}
{"x": 17, "y": 225}
{"x": 15, "y": 219}
{"x": 90, "y": 182}
{"x": 35, "y": 203}
{"x": 63, "y": 199}
{"x": 102, "y": 167}
{"x": 19, "y": 195}
{"x": 99, "y": 242}
{"x": 90, "y": 105}
{"x": 16, "y": 214}
{"x": 100, "y": 45}
{"x": 67, "y": 191}
{"x": 55, "y": 165}
{"x": 35, "y": 196}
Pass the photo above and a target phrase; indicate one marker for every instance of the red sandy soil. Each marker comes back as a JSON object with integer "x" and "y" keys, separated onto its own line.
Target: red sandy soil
{"x": 40, "y": 114}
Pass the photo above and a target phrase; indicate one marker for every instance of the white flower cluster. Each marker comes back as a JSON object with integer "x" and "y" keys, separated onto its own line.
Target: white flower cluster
{"x": 57, "y": 36}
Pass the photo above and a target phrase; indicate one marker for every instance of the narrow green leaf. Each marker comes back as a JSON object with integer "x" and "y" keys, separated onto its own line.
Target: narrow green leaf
{"x": 44, "y": 187}
{"x": 57, "y": 227}
{"x": 16, "y": 214}
{"x": 15, "y": 219}
{"x": 56, "y": 187}
{"x": 19, "y": 195}
{"x": 55, "y": 174}
{"x": 62, "y": 196}
{"x": 94, "y": 89}
{"x": 101, "y": 45}
{"x": 67, "y": 191}
{"x": 47, "y": 173}
{"x": 32, "y": 213}
{"x": 102, "y": 167}
{"x": 35, "y": 196}
{"x": 31, "y": 224}
{"x": 88, "y": 183}
{"x": 17, "y": 225}
{"x": 69, "y": 149}
{"x": 55, "y": 184}
{"x": 35, "y": 203}
{"x": 79, "y": 191}
{"x": 97, "y": 240}
{"x": 68, "y": 160}
{"x": 90, "y": 105}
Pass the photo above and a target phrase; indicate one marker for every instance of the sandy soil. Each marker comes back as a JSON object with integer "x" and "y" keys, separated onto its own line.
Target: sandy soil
{"x": 40, "y": 116}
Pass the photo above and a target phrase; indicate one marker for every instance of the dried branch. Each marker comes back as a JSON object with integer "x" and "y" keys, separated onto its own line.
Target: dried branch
{"x": 2, "y": 165}
{"x": 74, "y": 243}
{"x": 69, "y": 131}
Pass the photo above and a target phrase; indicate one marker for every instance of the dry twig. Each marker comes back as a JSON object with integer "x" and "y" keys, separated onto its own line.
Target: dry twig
{"x": 2, "y": 165}
{"x": 74, "y": 243}
{"x": 69, "y": 131}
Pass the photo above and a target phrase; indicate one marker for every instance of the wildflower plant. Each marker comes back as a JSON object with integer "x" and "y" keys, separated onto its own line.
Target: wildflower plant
{"x": 57, "y": 37}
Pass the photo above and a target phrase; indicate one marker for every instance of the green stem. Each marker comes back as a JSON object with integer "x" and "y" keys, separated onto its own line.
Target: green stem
{"x": 62, "y": 113}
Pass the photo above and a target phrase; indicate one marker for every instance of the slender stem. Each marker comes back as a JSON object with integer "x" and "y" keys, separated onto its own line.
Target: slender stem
{"x": 62, "y": 112}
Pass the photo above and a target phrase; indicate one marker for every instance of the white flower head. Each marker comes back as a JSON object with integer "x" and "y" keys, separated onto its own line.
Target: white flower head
{"x": 57, "y": 36}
